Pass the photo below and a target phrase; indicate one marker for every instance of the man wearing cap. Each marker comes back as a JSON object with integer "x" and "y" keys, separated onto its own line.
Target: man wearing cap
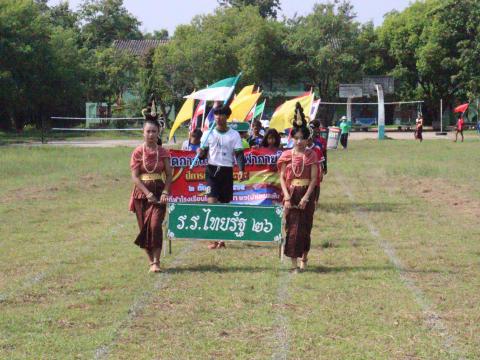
{"x": 345, "y": 129}
{"x": 222, "y": 146}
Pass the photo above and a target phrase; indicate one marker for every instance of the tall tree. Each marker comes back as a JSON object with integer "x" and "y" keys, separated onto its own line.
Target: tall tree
{"x": 325, "y": 44}
{"x": 432, "y": 49}
{"x": 266, "y": 8}
{"x": 106, "y": 21}
{"x": 216, "y": 46}
{"x": 61, "y": 15}
{"x": 116, "y": 72}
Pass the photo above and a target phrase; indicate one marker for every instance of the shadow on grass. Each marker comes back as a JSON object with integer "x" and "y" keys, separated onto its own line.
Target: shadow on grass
{"x": 260, "y": 269}
{"x": 345, "y": 208}
{"x": 219, "y": 269}
{"x": 311, "y": 268}
{"x": 344, "y": 269}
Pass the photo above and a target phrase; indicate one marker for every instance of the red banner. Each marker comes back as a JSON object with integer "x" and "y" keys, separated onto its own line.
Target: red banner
{"x": 262, "y": 185}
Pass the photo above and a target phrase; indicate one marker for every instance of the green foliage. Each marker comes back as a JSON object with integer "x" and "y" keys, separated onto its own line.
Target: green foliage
{"x": 53, "y": 59}
{"x": 39, "y": 66}
{"x": 115, "y": 72}
{"x": 216, "y": 46}
{"x": 106, "y": 21}
{"x": 432, "y": 50}
{"x": 266, "y": 8}
{"x": 326, "y": 47}
{"x": 157, "y": 35}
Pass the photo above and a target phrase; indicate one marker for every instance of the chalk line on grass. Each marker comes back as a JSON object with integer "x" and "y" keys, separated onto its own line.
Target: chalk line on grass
{"x": 432, "y": 320}
{"x": 282, "y": 344}
{"x": 141, "y": 303}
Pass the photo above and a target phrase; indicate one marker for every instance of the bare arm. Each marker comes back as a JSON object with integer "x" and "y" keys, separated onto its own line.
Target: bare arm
{"x": 168, "y": 181}
{"x": 138, "y": 183}
{"x": 283, "y": 184}
{"x": 311, "y": 187}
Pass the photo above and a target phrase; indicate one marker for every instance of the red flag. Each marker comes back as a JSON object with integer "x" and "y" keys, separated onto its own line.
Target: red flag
{"x": 461, "y": 108}
{"x": 198, "y": 112}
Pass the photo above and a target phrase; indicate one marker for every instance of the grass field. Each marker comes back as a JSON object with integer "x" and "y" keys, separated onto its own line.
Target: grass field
{"x": 394, "y": 271}
{"x": 31, "y": 135}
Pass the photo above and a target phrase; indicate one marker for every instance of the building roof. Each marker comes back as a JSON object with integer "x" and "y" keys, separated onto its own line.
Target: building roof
{"x": 138, "y": 47}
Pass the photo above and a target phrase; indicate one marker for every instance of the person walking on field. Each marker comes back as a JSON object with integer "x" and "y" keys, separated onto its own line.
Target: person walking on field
{"x": 222, "y": 147}
{"x": 152, "y": 176}
{"x": 345, "y": 129}
{"x": 460, "y": 126}
{"x": 298, "y": 177}
{"x": 419, "y": 128}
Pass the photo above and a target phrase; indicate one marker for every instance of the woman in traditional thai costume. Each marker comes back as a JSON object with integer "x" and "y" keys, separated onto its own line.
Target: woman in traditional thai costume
{"x": 152, "y": 176}
{"x": 298, "y": 177}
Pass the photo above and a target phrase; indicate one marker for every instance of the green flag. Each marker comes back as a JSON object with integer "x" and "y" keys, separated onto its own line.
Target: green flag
{"x": 259, "y": 109}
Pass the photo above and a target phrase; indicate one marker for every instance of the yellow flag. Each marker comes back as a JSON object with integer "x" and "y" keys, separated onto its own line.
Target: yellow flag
{"x": 283, "y": 117}
{"x": 185, "y": 113}
{"x": 247, "y": 90}
{"x": 241, "y": 106}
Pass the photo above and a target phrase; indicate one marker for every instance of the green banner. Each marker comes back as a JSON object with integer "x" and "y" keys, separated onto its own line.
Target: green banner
{"x": 225, "y": 222}
{"x": 239, "y": 126}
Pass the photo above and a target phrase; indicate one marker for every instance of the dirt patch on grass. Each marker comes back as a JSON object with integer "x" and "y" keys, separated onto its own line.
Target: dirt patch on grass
{"x": 443, "y": 194}
{"x": 30, "y": 193}
{"x": 86, "y": 182}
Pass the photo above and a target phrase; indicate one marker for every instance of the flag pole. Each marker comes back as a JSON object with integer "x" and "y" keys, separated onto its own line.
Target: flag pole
{"x": 212, "y": 125}
{"x": 203, "y": 114}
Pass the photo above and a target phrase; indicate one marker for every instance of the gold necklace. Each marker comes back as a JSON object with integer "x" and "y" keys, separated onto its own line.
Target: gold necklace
{"x": 303, "y": 165}
{"x": 145, "y": 164}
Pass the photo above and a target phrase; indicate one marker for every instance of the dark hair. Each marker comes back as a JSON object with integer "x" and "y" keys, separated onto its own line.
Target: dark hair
{"x": 271, "y": 132}
{"x": 304, "y": 130}
{"x": 154, "y": 122}
{"x": 257, "y": 123}
{"x": 314, "y": 124}
{"x": 197, "y": 133}
{"x": 223, "y": 110}
{"x": 300, "y": 123}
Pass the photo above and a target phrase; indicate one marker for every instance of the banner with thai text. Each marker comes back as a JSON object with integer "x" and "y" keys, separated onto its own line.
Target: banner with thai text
{"x": 261, "y": 187}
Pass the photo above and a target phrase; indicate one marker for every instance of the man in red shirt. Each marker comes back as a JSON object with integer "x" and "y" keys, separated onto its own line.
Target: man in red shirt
{"x": 460, "y": 125}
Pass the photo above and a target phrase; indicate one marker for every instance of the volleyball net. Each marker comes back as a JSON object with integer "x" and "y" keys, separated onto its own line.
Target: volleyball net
{"x": 65, "y": 127}
{"x": 398, "y": 115}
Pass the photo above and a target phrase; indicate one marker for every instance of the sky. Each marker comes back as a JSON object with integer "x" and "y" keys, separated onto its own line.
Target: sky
{"x": 167, "y": 14}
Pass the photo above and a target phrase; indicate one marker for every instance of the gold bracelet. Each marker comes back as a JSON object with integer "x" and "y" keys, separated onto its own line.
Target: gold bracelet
{"x": 165, "y": 193}
{"x": 149, "y": 194}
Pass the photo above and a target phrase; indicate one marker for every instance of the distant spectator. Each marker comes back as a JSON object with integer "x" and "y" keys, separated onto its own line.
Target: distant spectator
{"x": 460, "y": 126}
{"x": 345, "y": 130}
{"x": 271, "y": 140}
{"x": 256, "y": 138}
{"x": 419, "y": 128}
{"x": 193, "y": 142}
{"x": 320, "y": 141}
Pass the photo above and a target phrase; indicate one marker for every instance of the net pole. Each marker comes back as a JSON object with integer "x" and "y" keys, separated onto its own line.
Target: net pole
{"x": 441, "y": 115}
{"x": 43, "y": 130}
{"x": 381, "y": 112}
{"x": 349, "y": 109}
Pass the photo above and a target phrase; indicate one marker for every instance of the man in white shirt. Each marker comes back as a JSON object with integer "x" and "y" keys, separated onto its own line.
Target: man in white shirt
{"x": 222, "y": 147}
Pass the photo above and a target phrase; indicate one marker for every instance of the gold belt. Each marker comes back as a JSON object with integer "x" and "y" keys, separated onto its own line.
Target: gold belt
{"x": 300, "y": 182}
{"x": 152, "y": 177}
